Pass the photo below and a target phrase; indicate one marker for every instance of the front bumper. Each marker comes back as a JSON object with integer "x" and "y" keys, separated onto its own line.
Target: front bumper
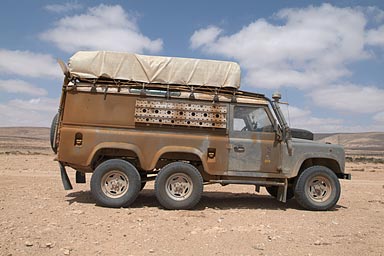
{"x": 345, "y": 176}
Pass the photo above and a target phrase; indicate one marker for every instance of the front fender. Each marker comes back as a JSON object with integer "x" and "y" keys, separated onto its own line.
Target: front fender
{"x": 304, "y": 150}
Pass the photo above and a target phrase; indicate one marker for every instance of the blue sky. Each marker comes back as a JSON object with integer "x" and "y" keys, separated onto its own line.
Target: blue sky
{"x": 326, "y": 59}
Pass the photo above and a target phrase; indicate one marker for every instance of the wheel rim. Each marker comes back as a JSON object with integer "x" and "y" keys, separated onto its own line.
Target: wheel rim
{"x": 319, "y": 188}
{"x": 179, "y": 186}
{"x": 114, "y": 184}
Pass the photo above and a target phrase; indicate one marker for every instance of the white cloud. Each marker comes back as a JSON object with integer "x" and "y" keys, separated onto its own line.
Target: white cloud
{"x": 376, "y": 36}
{"x": 311, "y": 47}
{"x": 204, "y": 36}
{"x": 373, "y": 12}
{"x": 33, "y": 112}
{"x": 62, "y": 8}
{"x": 36, "y": 104}
{"x": 20, "y": 86}
{"x": 379, "y": 118}
{"x": 351, "y": 98}
{"x": 101, "y": 28}
{"x": 304, "y": 119}
{"x": 26, "y": 63}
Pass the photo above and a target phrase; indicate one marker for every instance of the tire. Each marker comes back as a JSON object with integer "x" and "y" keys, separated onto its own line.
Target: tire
{"x": 115, "y": 183}
{"x": 317, "y": 188}
{"x": 53, "y": 132}
{"x": 178, "y": 186}
{"x": 272, "y": 190}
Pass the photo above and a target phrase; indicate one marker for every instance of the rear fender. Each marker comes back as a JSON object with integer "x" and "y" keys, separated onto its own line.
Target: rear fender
{"x": 178, "y": 149}
{"x": 114, "y": 145}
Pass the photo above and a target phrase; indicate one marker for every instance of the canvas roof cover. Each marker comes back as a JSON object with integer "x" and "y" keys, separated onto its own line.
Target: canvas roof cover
{"x": 154, "y": 69}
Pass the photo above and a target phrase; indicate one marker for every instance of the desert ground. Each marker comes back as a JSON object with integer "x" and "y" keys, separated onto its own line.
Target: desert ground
{"x": 38, "y": 217}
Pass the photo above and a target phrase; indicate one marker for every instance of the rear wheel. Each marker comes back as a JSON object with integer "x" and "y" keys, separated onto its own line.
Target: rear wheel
{"x": 317, "y": 188}
{"x": 115, "y": 183}
{"x": 178, "y": 185}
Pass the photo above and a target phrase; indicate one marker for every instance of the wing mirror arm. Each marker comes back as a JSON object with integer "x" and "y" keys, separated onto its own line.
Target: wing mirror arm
{"x": 289, "y": 145}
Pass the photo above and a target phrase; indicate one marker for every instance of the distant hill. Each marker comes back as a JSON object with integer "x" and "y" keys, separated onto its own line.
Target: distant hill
{"x": 370, "y": 142}
{"x": 24, "y": 140}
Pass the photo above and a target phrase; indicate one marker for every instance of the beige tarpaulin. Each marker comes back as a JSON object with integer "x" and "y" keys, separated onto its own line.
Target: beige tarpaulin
{"x": 154, "y": 69}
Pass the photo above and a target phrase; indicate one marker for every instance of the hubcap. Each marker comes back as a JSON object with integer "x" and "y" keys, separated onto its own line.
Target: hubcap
{"x": 114, "y": 184}
{"x": 179, "y": 186}
{"x": 319, "y": 188}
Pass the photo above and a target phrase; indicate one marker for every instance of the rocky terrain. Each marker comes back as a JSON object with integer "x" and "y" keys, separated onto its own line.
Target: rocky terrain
{"x": 38, "y": 217}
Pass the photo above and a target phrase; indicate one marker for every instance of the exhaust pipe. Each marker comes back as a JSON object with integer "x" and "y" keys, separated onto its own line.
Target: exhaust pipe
{"x": 64, "y": 178}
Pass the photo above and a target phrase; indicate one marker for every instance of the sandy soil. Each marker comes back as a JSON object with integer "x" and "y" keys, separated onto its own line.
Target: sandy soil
{"x": 38, "y": 217}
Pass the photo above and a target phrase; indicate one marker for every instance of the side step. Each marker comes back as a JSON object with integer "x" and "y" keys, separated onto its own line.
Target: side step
{"x": 281, "y": 192}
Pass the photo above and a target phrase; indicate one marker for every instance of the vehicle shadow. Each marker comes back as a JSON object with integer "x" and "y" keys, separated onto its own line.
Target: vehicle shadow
{"x": 209, "y": 200}
{"x": 81, "y": 197}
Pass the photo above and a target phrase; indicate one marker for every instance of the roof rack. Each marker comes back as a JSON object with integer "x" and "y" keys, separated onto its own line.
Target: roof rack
{"x": 119, "y": 84}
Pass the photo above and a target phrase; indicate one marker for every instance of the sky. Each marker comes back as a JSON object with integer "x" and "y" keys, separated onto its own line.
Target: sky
{"x": 325, "y": 58}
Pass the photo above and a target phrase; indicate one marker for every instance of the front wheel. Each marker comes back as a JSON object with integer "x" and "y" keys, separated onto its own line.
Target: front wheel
{"x": 115, "y": 183}
{"x": 317, "y": 188}
{"x": 178, "y": 186}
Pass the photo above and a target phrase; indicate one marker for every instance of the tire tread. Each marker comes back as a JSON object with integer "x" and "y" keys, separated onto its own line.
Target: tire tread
{"x": 300, "y": 194}
{"x": 161, "y": 178}
{"x": 134, "y": 183}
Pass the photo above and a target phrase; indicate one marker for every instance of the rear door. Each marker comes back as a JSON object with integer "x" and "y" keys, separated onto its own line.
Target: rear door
{"x": 253, "y": 146}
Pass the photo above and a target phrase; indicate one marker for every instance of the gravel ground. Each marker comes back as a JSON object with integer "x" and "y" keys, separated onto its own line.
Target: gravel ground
{"x": 38, "y": 217}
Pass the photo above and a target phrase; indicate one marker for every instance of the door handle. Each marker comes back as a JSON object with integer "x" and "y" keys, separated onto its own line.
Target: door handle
{"x": 239, "y": 149}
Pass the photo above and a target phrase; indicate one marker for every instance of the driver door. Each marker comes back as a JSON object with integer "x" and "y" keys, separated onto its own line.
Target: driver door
{"x": 253, "y": 144}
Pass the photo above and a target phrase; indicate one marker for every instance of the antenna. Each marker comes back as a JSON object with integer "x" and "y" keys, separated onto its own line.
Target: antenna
{"x": 289, "y": 118}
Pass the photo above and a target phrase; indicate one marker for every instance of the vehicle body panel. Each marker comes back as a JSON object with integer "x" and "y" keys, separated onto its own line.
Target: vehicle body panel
{"x": 107, "y": 122}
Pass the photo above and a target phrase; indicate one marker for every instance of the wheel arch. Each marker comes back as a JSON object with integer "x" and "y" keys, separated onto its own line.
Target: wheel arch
{"x": 120, "y": 150}
{"x": 178, "y": 153}
{"x": 117, "y": 150}
{"x": 327, "y": 162}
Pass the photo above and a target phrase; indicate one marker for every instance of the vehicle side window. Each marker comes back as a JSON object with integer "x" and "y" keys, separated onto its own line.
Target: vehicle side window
{"x": 253, "y": 119}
